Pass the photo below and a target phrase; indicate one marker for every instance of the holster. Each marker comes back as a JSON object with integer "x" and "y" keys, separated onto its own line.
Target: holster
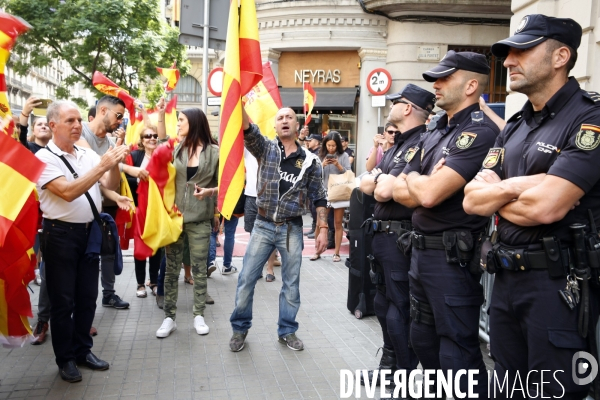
{"x": 556, "y": 268}
{"x": 368, "y": 226}
{"x": 459, "y": 247}
{"x": 421, "y": 311}
{"x": 404, "y": 242}
{"x": 375, "y": 271}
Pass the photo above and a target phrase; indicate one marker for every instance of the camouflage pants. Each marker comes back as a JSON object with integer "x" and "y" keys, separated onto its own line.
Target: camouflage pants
{"x": 196, "y": 236}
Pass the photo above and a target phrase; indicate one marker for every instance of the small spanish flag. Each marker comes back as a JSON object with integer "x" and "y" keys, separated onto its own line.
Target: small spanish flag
{"x": 172, "y": 75}
{"x": 263, "y": 101}
{"x": 106, "y": 86}
{"x": 310, "y": 98}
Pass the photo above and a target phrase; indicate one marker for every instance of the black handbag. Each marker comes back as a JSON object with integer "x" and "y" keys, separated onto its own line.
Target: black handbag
{"x": 109, "y": 242}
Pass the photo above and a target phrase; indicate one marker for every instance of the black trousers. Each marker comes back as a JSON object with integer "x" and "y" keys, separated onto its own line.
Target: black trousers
{"x": 395, "y": 307}
{"x": 531, "y": 329}
{"x": 72, "y": 282}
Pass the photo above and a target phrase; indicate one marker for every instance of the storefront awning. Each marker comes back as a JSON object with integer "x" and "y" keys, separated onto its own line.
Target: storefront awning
{"x": 334, "y": 99}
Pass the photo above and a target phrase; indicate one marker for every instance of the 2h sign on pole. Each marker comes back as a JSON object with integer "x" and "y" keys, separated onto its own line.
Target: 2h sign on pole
{"x": 379, "y": 81}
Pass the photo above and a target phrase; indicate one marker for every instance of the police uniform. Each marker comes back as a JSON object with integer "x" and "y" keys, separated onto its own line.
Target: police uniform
{"x": 531, "y": 328}
{"x": 445, "y": 296}
{"x": 390, "y": 221}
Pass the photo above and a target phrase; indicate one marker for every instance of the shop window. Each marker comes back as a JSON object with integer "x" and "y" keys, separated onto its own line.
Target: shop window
{"x": 188, "y": 90}
{"x": 496, "y": 90}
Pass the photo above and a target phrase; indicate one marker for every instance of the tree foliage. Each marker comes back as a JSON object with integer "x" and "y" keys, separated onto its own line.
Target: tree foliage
{"x": 124, "y": 39}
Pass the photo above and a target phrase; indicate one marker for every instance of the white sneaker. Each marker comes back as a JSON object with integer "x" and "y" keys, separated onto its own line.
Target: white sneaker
{"x": 166, "y": 328}
{"x": 200, "y": 325}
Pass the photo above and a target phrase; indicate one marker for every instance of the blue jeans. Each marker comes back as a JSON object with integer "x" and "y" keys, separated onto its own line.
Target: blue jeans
{"x": 230, "y": 226}
{"x": 265, "y": 238}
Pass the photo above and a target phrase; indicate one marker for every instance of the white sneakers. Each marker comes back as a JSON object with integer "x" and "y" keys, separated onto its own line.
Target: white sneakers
{"x": 200, "y": 325}
{"x": 169, "y": 326}
{"x": 166, "y": 328}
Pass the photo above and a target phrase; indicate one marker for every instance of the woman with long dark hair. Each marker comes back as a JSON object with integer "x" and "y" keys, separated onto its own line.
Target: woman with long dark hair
{"x": 196, "y": 161}
{"x": 335, "y": 161}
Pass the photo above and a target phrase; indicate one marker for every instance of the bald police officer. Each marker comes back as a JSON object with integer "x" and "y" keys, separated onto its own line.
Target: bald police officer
{"x": 410, "y": 108}
{"x": 445, "y": 294}
{"x": 541, "y": 176}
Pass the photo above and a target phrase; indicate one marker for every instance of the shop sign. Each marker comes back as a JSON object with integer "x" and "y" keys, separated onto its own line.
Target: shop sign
{"x": 317, "y": 75}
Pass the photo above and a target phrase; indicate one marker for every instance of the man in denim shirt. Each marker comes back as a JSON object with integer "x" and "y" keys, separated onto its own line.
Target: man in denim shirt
{"x": 288, "y": 175}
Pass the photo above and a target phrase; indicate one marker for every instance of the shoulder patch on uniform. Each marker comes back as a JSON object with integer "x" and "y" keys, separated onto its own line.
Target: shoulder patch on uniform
{"x": 493, "y": 156}
{"x": 477, "y": 117}
{"x": 465, "y": 140}
{"x": 588, "y": 137}
{"x": 410, "y": 153}
{"x": 594, "y": 96}
{"x": 299, "y": 163}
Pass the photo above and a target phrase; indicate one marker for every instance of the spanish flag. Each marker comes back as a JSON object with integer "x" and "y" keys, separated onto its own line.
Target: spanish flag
{"x": 106, "y": 86}
{"x": 263, "y": 101}
{"x": 171, "y": 117}
{"x": 242, "y": 71}
{"x": 157, "y": 221}
{"x": 124, "y": 219}
{"x": 10, "y": 28}
{"x": 172, "y": 75}
{"x": 310, "y": 98}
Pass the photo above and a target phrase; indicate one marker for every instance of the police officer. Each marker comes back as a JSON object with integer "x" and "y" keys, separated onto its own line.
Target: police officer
{"x": 541, "y": 176}
{"x": 410, "y": 108}
{"x": 445, "y": 295}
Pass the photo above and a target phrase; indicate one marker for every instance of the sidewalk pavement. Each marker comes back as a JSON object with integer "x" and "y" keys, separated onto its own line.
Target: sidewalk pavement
{"x": 188, "y": 366}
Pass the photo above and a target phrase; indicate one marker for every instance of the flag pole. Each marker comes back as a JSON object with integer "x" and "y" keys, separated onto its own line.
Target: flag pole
{"x": 205, "y": 57}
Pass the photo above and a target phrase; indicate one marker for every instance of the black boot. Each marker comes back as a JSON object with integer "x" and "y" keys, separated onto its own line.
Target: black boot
{"x": 388, "y": 361}
{"x": 331, "y": 239}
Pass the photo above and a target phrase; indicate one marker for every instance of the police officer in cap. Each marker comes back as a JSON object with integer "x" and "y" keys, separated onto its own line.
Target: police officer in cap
{"x": 542, "y": 176}
{"x": 410, "y": 108}
{"x": 445, "y": 291}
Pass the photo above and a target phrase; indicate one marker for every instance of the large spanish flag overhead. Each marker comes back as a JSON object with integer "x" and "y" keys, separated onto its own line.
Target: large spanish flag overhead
{"x": 10, "y": 28}
{"x": 172, "y": 75}
{"x": 242, "y": 70}
{"x": 310, "y": 98}
{"x": 106, "y": 86}
{"x": 263, "y": 101}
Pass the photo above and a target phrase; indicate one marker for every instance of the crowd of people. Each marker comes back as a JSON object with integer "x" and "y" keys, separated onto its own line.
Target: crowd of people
{"x": 436, "y": 181}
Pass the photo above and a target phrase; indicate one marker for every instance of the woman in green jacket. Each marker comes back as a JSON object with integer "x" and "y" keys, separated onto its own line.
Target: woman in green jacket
{"x": 196, "y": 161}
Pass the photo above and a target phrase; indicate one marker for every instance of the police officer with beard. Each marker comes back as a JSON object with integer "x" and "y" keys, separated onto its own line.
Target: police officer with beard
{"x": 445, "y": 291}
{"x": 410, "y": 108}
{"x": 542, "y": 177}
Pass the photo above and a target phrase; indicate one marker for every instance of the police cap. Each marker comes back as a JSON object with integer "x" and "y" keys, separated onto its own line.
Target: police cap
{"x": 315, "y": 137}
{"x": 454, "y": 61}
{"x": 416, "y": 95}
{"x": 537, "y": 28}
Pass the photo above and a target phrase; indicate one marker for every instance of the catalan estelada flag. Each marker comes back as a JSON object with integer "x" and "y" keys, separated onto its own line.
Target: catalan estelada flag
{"x": 157, "y": 221}
{"x": 241, "y": 72}
{"x": 172, "y": 75}
{"x": 263, "y": 101}
{"x": 106, "y": 86}
{"x": 10, "y": 28}
{"x": 310, "y": 98}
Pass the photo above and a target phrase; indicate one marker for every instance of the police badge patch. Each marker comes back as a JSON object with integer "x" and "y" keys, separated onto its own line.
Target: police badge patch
{"x": 410, "y": 153}
{"x": 465, "y": 140}
{"x": 493, "y": 156}
{"x": 588, "y": 137}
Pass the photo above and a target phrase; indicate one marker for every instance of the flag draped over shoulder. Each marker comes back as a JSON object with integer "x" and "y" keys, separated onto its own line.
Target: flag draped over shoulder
{"x": 10, "y": 28}
{"x": 310, "y": 98}
{"x": 263, "y": 101}
{"x": 19, "y": 170}
{"x": 172, "y": 75}
{"x": 242, "y": 71}
{"x": 124, "y": 219}
{"x": 106, "y": 86}
{"x": 157, "y": 221}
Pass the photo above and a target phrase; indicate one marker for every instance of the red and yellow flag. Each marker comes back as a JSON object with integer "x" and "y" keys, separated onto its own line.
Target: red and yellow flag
{"x": 242, "y": 71}
{"x": 10, "y": 28}
{"x": 310, "y": 98}
{"x": 157, "y": 221}
{"x": 172, "y": 75}
{"x": 106, "y": 86}
{"x": 124, "y": 219}
{"x": 263, "y": 101}
{"x": 171, "y": 117}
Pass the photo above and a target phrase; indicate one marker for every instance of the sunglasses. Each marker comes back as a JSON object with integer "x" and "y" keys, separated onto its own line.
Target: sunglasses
{"x": 391, "y": 132}
{"x": 150, "y": 136}
{"x": 119, "y": 115}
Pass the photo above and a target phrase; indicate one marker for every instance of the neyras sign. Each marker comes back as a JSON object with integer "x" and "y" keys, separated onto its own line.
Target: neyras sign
{"x": 317, "y": 76}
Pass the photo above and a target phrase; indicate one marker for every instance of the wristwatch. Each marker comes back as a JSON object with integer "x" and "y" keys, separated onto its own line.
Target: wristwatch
{"x": 377, "y": 177}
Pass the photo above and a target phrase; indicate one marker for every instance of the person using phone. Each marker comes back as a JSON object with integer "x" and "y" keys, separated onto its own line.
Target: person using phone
{"x": 335, "y": 161}
{"x": 381, "y": 143}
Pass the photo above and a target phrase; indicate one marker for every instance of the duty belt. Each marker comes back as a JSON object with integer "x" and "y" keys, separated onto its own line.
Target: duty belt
{"x": 391, "y": 226}
{"x": 523, "y": 260}
{"x": 423, "y": 242}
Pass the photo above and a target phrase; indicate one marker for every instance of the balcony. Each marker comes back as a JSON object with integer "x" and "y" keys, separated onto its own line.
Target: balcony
{"x": 440, "y": 10}
{"x": 18, "y": 85}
